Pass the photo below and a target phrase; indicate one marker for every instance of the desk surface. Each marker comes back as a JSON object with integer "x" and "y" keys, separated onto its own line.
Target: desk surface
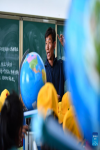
{"x": 30, "y": 113}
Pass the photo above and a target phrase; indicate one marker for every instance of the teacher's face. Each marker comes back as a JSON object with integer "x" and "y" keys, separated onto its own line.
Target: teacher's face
{"x": 49, "y": 47}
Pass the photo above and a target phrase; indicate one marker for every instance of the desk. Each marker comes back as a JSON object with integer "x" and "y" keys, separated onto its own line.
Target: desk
{"x": 28, "y": 114}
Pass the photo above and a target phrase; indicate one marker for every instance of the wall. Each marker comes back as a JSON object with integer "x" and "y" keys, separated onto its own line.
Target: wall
{"x": 57, "y": 9}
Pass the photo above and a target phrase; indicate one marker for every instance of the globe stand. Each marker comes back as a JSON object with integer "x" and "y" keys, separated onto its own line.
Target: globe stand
{"x": 27, "y": 115}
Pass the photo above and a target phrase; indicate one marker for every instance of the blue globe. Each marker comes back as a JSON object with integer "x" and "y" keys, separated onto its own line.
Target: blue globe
{"x": 83, "y": 71}
{"x": 32, "y": 78}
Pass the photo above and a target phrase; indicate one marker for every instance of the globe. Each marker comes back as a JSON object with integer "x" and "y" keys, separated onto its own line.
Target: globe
{"x": 83, "y": 64}
{"x": 32, "y": 78}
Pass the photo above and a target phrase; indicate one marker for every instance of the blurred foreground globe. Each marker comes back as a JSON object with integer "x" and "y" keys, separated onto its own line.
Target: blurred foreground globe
{"x": 32, "y": 78}
{"x": 82, "y": 32}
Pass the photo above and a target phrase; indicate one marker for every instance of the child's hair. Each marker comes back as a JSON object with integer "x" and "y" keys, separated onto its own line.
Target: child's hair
{"x": 11, "y": 121}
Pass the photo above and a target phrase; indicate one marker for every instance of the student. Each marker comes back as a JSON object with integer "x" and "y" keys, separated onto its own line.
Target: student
{"x": 67, "y": 117}
{"x": 47, "y": 102}
{"x": 11, "y": 122}
{"x": 70, "y": 124}
{"x": 54, "y": 67}
{"x": 64, "y": 106}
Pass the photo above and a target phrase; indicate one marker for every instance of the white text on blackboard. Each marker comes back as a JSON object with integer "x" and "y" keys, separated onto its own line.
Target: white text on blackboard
{"x": 7, "y": 49}
{"x": 6, "y": 64}
{"x": 7, "y": 71}
{"x": 8, "y": 78}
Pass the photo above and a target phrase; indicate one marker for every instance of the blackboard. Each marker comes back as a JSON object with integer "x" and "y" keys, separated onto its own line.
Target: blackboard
{"x": 9, "y": 54}
{"x": 34, "y": 37}
{"x": 60, "y": 30}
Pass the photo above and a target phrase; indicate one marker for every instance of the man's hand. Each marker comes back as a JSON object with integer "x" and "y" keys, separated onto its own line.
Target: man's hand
{"x": 59, "y": 97}
{"x": 24, "y": 130}
{"x": 61, "y": 39}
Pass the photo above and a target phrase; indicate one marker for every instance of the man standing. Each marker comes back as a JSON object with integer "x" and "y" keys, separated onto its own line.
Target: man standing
{"x": 54, "y": 67}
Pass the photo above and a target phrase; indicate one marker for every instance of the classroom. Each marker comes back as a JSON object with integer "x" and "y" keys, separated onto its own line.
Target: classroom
{"x": 49, "y": 58}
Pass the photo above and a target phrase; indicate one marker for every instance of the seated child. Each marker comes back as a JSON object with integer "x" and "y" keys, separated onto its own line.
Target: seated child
{"x": 11, "y": 122}
{"x": 3, "y": 96}
{"x": 70, "y": 124}
{"x": 67, "y": 117}
{"x": 64, "y": 106}
{"x": 47, "y": 101}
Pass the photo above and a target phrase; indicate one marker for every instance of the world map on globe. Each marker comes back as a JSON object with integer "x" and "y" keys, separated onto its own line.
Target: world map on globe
{"x": 32, "y": 59}
{"x": 32, "y": 78}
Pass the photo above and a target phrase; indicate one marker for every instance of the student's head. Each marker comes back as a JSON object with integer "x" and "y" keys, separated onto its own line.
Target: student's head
{"x": 50, "y": 42}
{"x": 3, "y": 96}
{"x": 47, "y": 100}
{"x": 47, "y": 105}
{"x": 70, "y": 124}
{"x": 64, "y": 106}
{"x": 11, "y": 121}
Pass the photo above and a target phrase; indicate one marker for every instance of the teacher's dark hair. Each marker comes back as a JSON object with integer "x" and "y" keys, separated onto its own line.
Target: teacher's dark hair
{"x": 51, "y": 32}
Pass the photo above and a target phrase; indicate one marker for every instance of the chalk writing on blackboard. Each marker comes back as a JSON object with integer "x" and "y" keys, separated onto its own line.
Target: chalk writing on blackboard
{"x": 8, "y": 72}
{"x": 6, "y": 64}
{"x": 7, "y": 49}
{"x": 8, "y": 78}
{"x": 9, "y": 54}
